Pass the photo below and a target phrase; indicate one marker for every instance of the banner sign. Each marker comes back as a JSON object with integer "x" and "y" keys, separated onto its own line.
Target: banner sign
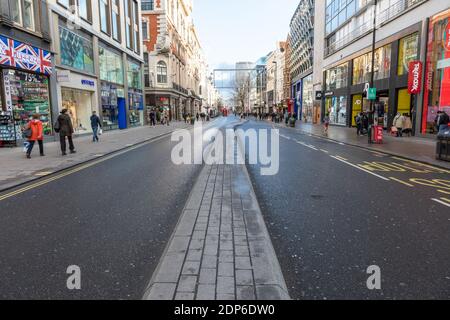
{"x": 415, "y": 77}
{"x": 19, "y": 55}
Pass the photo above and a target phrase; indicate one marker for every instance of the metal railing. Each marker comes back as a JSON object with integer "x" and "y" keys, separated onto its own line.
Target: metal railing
{"x": 384, "y": 16}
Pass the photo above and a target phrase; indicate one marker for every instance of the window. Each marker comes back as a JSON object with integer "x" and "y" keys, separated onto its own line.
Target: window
{"x": 136, "y": 22}
{"x": 76, "y": 51}
{"x": 104, "y": 16}
{"x": 111, "y": 66}
{"x": 116, "y": 20}
{"x": 337, "y": 77}
{"x": 84, "y": 9}
{"x": 22, "y": 13}
{"x": 161, "y": 71}
{"x": 65, "y": 3}
{"x": 145, "y": 59}
{"x": 147, "y": 5}
{"x": 408, "y": 49}
{"x": 134, "y": 75}
{"x": 145, "y": 30}
{"x": 128, "y": 28}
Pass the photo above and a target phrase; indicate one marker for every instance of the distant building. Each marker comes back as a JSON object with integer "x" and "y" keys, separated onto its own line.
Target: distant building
{"x": 175, "y": 67}
{"x": 27, "y": 67}
{"x": 406, "y": 31}
{"x": 98, "y": 58}
{"x": 301, "y": 38}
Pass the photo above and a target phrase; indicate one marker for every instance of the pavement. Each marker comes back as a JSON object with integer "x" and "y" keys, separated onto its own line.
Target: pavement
{"x": 21, "y": 170}
{"x": 221, "y": 248}
{"x": 416, "y": 148}
{"x": 335, "y": 209}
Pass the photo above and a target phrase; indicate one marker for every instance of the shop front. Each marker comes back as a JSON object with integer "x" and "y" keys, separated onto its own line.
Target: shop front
{"x": 112, "y": 76}
{"x": 25, "y": 72}
{"x": 135, "y": 96}
{"x": 309, "y": 113}
{"x": 336, "y": 82}
{"x": 77, "y": 93}
{"x": 437, "y": 74}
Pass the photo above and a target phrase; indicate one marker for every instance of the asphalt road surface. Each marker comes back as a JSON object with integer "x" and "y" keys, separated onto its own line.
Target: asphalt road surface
{"x": 334, "y": 210}
{"x": 112, "y": 219}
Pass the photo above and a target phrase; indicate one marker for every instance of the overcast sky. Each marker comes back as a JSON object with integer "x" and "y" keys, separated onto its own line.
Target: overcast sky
{"x": 241, "y": 30}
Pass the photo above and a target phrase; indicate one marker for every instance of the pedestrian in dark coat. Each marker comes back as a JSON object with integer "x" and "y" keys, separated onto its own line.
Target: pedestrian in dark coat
{"x": 65, "y": 130}
{"x": 95, "y": 125}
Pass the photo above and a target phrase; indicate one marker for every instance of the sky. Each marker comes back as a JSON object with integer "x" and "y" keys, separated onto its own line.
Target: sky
{"x": 241, "y": 30}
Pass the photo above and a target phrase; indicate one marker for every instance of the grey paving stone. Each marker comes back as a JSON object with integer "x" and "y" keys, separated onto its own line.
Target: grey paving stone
{"x": 244, "y": 278}
{"x": 191, "y": 268}
{"x": 185, "y": 296}
{"x": 170, "y": 268}
{"x": 187, "y": 284}
{"x": 226, "y": 245}
{"x": 206, "y": 292}
{"x": 199, "y": 235}
{"x": 225, "y": 285}
{"x": 239, "y": 231}
{"x": 161, "y": 291}
{"x": 196, "y": 244}
{"x": 241, "y": 251}
{"x": 243, "y": 263}
{"x": 226, "y": 256}
{"x": 179, "y": 245}
{"x": 208, "y": 276}
{"x": 226, "y": 269}
{"x": 194, "y": 255}
{"x": 209, "y": 262}
{"x": 211, "y": 248}
{"x": 245, "y": 293}
{"x": 226, "y": 296}
{"x": 201, "y": 226}
{"x": 240, "y": 240}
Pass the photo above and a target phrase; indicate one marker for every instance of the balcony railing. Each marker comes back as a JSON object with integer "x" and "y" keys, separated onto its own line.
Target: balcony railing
{"x": 384, "y": 16}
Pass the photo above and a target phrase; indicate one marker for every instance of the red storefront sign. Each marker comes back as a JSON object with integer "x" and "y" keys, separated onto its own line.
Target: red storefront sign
{"x": 415, "y": 77}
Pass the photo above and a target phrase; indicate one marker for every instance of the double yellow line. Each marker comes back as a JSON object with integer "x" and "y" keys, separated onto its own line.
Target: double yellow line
{"x": 74, "y": 170}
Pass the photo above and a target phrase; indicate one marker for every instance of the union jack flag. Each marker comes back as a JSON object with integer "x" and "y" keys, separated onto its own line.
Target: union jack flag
{"x": 23, "y": 56}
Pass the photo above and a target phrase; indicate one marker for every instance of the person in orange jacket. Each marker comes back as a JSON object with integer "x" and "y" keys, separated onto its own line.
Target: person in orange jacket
{"x": 37, "y": 134}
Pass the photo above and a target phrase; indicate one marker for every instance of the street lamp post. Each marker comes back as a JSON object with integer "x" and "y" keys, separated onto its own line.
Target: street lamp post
{"x": 372, "y": 73}
{"x": 275, "y": 83}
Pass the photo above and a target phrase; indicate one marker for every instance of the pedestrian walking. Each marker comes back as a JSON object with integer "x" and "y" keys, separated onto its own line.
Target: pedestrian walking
{"x": 326, "y": 123}
{"x": 64, "y": 126}
{"x": 442, "y": 121}
{"x": 407, "y": 130}
{"x": 152, "y": 118}
{"x": 96, "y": 126}
{"x": 35, "y": 132}
{"x": 399, "y": 122}
{"x": 359, "y": 124}
{"x": 166, "y": 118}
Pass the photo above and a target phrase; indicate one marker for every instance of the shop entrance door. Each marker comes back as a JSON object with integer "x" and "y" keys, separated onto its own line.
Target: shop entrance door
{"x": 357, "y": 101}
{"x": 122, "y": 113}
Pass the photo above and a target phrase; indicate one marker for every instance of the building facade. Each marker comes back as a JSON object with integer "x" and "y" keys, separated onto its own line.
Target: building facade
{"x": 175, "y": 68}
{"x": 26, "y": 68}
{"x": 408, "y": 32}
{"x": 98, "y": 61}
{"x": 301, "y": 41}
{"x": 275, "y": 78}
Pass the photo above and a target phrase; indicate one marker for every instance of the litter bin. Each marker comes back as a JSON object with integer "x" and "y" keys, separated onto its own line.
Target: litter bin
{"x": 443, "y": 147}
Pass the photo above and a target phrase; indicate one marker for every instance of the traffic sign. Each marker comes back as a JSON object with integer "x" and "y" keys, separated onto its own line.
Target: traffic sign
{"x": 372, "y": 94}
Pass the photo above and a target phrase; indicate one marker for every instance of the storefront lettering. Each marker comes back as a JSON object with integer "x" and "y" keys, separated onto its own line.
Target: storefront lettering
{"x": 415, "y": 77}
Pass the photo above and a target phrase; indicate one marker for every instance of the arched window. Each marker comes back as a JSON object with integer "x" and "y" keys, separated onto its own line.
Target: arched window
{"x": 161, "y": 72}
